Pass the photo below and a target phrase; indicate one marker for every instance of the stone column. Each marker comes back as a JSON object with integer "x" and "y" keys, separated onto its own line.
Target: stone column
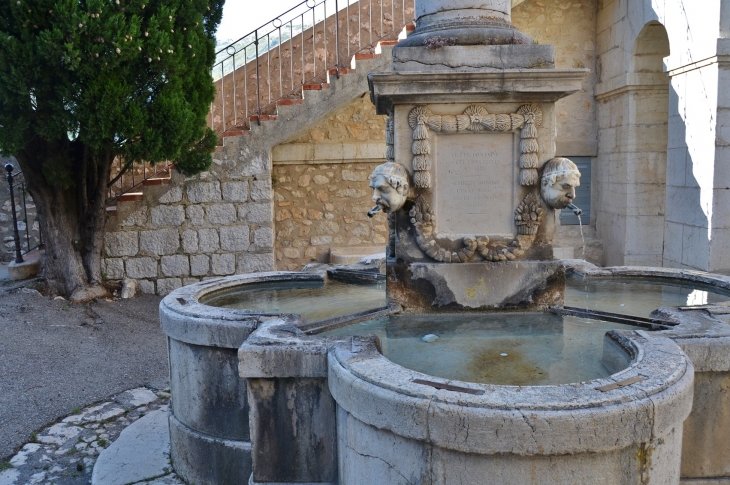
{"x": 465, "y": 22}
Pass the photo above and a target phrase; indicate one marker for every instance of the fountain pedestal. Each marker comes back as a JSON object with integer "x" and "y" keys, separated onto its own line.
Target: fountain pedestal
{"x": 473, "y": 125}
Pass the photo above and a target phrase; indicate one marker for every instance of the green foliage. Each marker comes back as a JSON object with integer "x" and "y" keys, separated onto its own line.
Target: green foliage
{"x": 127, "y": 78}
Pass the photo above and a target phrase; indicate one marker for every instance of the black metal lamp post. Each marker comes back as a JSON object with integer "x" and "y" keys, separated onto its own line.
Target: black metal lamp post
{"x": 18, "y": 257}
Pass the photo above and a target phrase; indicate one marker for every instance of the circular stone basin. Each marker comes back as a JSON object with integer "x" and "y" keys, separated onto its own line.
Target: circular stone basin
{"x": 312, "y": 300}
{"x": 638, "y": 296}
{"x": 540, "y": 348}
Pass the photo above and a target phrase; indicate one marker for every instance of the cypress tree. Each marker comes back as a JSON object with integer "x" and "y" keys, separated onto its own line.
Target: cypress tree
{"x": 83, "y": 82}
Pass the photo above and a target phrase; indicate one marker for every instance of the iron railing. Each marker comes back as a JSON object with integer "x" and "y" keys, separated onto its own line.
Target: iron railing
{"x": 296, "y": 48}
{"x": 126, "y": 178}
{"x": 26, "y": 230}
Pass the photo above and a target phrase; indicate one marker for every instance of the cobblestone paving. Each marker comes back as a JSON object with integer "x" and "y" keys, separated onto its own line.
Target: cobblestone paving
{"x": 64, "y": 453}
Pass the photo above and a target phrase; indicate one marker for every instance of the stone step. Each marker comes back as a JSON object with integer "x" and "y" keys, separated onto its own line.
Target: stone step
{"x": 156, "y": 181}
{"x": 131, "y": 197}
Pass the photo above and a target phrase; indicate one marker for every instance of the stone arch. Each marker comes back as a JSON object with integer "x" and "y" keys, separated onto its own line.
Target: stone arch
{"x": 650, "y": 49}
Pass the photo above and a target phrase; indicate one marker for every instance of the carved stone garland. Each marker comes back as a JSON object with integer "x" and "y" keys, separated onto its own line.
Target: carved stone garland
{"x": 474, "y": 119}
{"x": 528, "y": 217}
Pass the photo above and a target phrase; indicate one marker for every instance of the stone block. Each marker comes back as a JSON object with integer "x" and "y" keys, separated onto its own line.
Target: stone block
{"x": 189, "y": 281}
{"x": 124, "y": 243}
{"x": 112, "y": 268}
{"x": 249, "y": 166}
{"x": 252, "y": 263}
{"x": 136, "y": 218}
{"x": 25, "y": 270}
{"x": 146, "y": 286}
{"x": 190, "y": 241}
{"x": 208, "y": 240}
{"x": 474, "y": 58}
{"x": 176, "y": 265}
{"x": 159, "y": 242}
{"x": 172, "y": 196}
{"x": 235, "y": 191}
{"x": 194, "y": 214}
{"x": 203, "y": 192}
{"x": 141, "y": 268}
{"x": 257, "y": 213}
{"x": 166, "y": 285}
{"x": 263, "y": 238}
{"x": 167, "y": 215}
{"x": 261, "y": 190}
{"x": 355, "y": 175}
{"x": 223, "y": 264}
{"x": 199, "y": 264}
{"x": 219, "y": 214}
{"x": 235, "y": 238}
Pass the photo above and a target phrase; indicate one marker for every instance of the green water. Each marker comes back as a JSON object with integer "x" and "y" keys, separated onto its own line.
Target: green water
{"x": 638, "y": 297}
{"x": 314, "y": 300}
{"x": 541, "y": 348}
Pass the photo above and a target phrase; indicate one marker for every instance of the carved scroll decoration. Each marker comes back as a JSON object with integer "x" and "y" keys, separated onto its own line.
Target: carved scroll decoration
{"x": 528, "y": 217}
{"x": 474, "y": 119}
{"x": 389, "y": 139}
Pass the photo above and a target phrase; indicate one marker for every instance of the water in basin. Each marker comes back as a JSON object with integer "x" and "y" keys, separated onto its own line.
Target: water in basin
{"x": 313, "y": 300}
{"x": 541, "y": 349}
{"x": 637, "y": 296}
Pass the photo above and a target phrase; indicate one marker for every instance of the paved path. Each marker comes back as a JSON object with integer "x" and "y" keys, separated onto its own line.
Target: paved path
{"x": 121, "y": 441}
{"x": 56, "y": 357}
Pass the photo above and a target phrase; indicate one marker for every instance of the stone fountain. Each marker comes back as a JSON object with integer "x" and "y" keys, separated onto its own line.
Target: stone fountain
{"x": 472, "y": 188}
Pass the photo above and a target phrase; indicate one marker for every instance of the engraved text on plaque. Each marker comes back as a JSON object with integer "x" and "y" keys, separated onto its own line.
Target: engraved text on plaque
{"x": 474, "y": 189}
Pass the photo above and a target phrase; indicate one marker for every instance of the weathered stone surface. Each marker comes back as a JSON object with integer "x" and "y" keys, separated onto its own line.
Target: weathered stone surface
{"x": 220, "y": 214}
{"x": 166, "y": 285}
{"x": 468, "y": 286}
{"x": 194, "y": 214}
{"x": 177, "y": 265}
{"x": 136, "y": 218}
{"x": 198, "y": 192}
{"x": 142, "y": 268}
{"x": 208, "y": 240}
{"x": 167, "y": 215}
{"x": 261, "y": 190}
{"x": 251, "y": 262}
{"x": 190, "y": 241}
{"x": 355, "y": 175}
{"x": 147, "y": 287}
{"x": 171, "y": 196}
{"x": 113, "y": 268}
{"x": 235, "y": 191}
{"x": 263, "y": 238}
{"x": 199, "y": 264}
{"x": 321, "y": 240}
{"x": 140, "y": 452}
{"x": 223, "y": 264}
{"x": 159, "y": 242}
{"x": 473, "y": 58}
{"x": 234, "y": 238}
{"x": 121, "y": 243}
{"x": 256, "y": 213}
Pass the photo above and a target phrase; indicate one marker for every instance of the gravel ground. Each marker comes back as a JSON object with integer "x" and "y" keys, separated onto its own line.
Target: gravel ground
{"x": 57, "y": 357}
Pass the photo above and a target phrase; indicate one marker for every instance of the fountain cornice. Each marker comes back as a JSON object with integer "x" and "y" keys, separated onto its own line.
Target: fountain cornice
{"x": 506, "y": 85}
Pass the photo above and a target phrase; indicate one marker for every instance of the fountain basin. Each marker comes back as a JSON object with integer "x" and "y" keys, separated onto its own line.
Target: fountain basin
{"x": 308, "y": 395}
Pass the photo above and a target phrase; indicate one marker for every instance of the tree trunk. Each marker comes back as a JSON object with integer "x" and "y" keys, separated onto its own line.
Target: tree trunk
{"x": 72, "y": 215}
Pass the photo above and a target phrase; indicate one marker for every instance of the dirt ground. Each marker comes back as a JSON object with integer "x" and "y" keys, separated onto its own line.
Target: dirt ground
{"x": 56, "y": 356}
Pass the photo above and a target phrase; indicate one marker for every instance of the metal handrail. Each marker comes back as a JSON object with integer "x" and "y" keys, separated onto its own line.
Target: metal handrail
{"x": 16, "y": 181}
{"x": 124, "y": 179}
{"x": 268, "y": 57}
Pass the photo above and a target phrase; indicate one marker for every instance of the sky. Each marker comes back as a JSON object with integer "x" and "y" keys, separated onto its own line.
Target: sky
{"x": 241, "y": 17}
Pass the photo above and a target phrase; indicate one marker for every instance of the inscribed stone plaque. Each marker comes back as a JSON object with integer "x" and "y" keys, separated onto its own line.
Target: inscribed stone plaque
{"x": 474, "y": 185}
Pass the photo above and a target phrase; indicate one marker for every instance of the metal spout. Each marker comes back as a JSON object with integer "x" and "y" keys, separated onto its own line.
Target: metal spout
{"x": 576, "y": 210}
{"x": 372, "y": 211}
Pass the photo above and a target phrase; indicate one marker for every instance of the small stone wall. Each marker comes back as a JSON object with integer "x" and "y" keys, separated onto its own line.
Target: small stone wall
{"x": 322, "y": 189}
{"x": 214, "y": 224}
{"x": 28, "y": 238}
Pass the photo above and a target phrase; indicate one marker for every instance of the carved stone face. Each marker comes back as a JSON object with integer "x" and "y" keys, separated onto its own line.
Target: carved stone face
{"x": 389, "y": 182}
{"x": 559, "y": 179}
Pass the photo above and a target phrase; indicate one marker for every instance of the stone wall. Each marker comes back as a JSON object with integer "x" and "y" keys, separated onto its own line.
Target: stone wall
{"x": 215, "y": 224}
{"x": 571, "y": 27}
{"x": 28, "y": 226}
{"x": 321, "y": 186}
